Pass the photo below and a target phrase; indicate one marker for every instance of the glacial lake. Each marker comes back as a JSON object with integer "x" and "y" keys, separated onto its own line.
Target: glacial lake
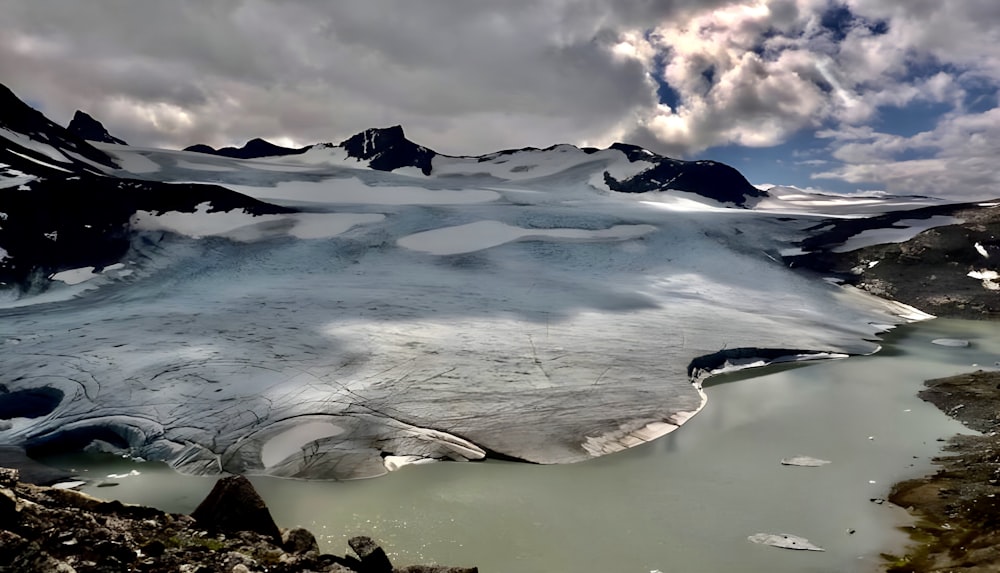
{"x": 686, "y": 502}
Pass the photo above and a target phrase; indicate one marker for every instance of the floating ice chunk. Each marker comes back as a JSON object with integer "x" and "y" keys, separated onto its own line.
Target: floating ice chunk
{"x": 784, "y": 541}
{"x": 67, "y": 485}
{"x": 955, "y": 342}
{"x": 982, "y": 250}
{"x": 393, "y": 463}
{"x": 804, "y": 461}
{"x": 132, "y": 473}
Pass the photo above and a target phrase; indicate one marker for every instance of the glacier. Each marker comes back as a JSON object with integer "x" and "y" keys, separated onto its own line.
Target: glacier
{"x": 528, "y": 313}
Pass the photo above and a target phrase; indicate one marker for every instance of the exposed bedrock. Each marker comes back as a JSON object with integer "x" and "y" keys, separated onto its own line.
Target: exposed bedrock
{"x": 946, "y": 271}
{"x": 736, "y": 358}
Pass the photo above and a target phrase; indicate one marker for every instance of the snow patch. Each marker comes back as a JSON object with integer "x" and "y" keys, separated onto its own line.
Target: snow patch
{"x": 354, "y": 191}
{"x": 40, "y": 162}
{"x": 911, "y": 228}
{"x": 29, "y": 143}
{"x": 988, "y": 277}
{"x": 481, "y": 235}
{"x": 203, "y": 166}
{"x": 75, "y": 276}
{"x": 238, "y": 225}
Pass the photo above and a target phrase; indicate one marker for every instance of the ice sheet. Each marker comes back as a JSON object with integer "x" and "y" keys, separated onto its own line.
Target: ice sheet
{"x": 570, "y": 344}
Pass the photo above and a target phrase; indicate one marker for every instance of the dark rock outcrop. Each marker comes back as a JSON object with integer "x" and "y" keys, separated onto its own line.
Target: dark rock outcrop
{"x": 90, "y": 129}
{"x": 299, "y": 540}
{"x": 253, "y": 149}
{"x": 709, "y": 179}
{"x": 929, "y": 271}
{"x": 373, "y": 557}
{"x": 234, "y": 505}
{"x": 57, "y": 530}
{"x": 386, "y": 149}
{"x": 60, "y": 223}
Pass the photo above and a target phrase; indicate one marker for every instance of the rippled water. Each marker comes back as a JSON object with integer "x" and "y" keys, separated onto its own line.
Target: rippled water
{"x": 686, "y": 502}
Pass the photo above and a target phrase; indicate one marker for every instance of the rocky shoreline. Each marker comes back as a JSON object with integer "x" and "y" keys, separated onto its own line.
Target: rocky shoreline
{"x": 958, "y": 508}
{"x": 53, "y": 530}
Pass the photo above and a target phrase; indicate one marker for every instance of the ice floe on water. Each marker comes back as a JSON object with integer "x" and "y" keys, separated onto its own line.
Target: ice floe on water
{"x": 784, "y": 541}
{"x": 804, "y": 461}
{"x": 953, "y": 342}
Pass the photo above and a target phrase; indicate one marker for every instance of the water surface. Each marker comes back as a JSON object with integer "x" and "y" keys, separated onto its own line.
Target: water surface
{"x": 686, "y": 502}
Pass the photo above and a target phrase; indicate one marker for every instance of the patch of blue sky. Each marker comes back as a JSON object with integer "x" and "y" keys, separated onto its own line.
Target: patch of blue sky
{"x": 791, "y": 163}
{"x": 666, "y": 94}
{"x": 910, "y": 120}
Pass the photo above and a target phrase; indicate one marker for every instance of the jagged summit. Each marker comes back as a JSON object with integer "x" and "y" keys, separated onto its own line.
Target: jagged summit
{"x": 387, "y": 149}
{"x": 84, "y": 125}
{"x": 32, "y": 142}
{"x": 253, "y": 149}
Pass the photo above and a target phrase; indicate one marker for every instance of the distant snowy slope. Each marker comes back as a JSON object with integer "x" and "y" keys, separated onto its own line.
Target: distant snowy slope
{"x": 620, "y": 168}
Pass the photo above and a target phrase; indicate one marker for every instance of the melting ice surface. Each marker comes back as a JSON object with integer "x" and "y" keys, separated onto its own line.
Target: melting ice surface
{"x": 564, "y": 327}
{"x": 686, "y": 502}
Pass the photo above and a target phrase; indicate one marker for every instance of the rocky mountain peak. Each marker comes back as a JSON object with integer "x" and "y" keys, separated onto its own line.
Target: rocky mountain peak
{"x": 387, "y": 149}
{"x": 85, "y": 126}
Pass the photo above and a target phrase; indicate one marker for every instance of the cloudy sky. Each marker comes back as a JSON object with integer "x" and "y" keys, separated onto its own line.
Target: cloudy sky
{"x": 892, "y": 95}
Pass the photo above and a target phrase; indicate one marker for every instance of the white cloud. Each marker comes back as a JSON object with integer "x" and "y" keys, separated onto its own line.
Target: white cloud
{"x": 958, "y": 157}
{"x": 468, "y": 77}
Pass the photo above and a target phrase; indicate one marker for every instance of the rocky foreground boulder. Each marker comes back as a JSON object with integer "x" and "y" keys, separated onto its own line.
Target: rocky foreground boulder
{"x": 45, "y": 529}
